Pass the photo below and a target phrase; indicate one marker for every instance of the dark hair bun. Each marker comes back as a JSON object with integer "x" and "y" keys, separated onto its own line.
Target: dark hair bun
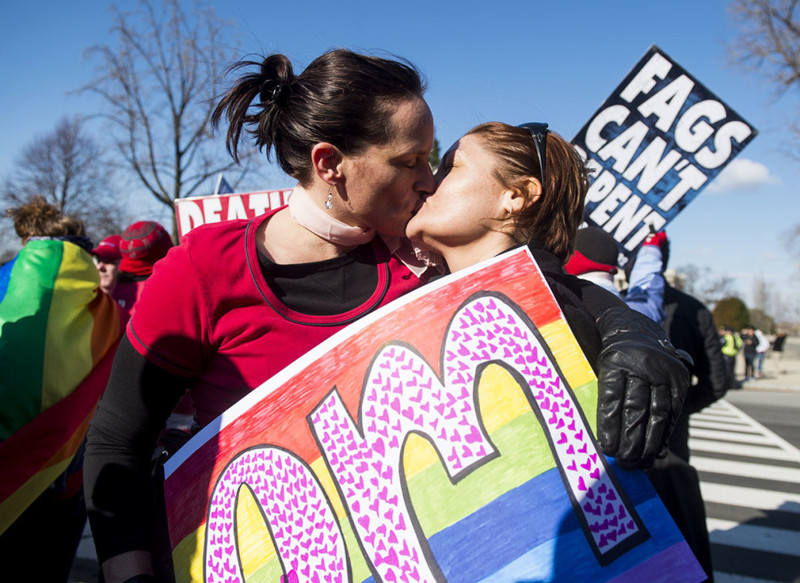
{"x": 277, "y": 75}
{"x": 340, "y": 98}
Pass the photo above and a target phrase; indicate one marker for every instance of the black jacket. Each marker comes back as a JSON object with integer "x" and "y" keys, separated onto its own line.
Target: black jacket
{"x": 691, "y": 327}
{"x": 581, "y": 301}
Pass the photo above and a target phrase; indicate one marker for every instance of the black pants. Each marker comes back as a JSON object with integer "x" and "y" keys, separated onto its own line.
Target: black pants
{"x": 730, "y": 371}
{"x": 41, "y": 544}
{"x": 749, "y": 369}
{"x": 678, "y": 486}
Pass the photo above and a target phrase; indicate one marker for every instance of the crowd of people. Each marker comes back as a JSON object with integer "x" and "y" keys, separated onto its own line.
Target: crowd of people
{"x": 754, "y": 346}
{"x": 367, "y": 222}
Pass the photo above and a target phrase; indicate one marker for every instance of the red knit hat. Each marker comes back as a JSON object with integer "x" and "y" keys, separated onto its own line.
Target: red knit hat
{"x": 107, "y": 250}
{"x": 595, "y": 250}
{"x": 143, "y": 244}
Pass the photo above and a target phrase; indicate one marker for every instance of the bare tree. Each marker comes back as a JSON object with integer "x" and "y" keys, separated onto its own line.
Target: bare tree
{"x": 158, "y": 83}
{"x": 762, "y": 296}
{"x": 703, "y": 284}
{"x": 691, "y": 278}
{"x": 769, "y": 41}
{"x": 791, "y": 239}
{"x": 716, "y": 288}
{"x": 67, "y": 167}
{"x": 767, "y": 305}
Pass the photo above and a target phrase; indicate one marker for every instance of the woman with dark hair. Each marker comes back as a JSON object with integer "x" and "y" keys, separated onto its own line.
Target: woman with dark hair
{"x": 502, "y": 186}
{"x": 238, "y": 301}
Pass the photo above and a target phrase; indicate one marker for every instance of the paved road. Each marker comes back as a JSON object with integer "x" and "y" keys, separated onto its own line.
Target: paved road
{"x": 750, "y": 479}
{"x": 777, "y": 410}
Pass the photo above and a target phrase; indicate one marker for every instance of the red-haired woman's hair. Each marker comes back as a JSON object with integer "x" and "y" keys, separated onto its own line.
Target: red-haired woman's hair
{"x": 553, "y": 219}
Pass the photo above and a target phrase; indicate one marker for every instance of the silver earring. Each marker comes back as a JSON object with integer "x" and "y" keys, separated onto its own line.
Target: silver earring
{"x": 329, "y": 202}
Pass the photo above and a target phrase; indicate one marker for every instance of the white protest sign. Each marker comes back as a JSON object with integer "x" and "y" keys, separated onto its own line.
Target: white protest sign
{"x": 199, "y": 210}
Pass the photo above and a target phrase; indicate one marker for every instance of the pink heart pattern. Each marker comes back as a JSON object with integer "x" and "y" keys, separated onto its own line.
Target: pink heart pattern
{"x": 402, "y": 394}
{"x": 303, "y": 526}
{"x": 489, "y": 329}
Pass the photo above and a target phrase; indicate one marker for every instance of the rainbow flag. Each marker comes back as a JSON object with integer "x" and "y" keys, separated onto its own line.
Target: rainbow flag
{"x": 445, "y": 437}
{"x": 58, "y": 334}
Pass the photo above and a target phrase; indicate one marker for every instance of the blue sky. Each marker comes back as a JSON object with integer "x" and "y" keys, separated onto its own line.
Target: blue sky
{"x": 507, "y": 61}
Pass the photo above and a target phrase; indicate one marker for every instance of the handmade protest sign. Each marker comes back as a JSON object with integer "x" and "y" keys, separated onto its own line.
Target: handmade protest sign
{"x": 654, "y": 144}
{"x": 446, "y": 437}
{"x": 199, "y": 210}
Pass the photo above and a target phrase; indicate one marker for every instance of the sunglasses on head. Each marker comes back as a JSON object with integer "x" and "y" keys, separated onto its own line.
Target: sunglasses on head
{"x": 538, "y": 131}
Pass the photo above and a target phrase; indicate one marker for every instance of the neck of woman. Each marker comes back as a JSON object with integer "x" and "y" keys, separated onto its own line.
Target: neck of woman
{"x": 467, "y": 254}
{"x": 303, "y": 233}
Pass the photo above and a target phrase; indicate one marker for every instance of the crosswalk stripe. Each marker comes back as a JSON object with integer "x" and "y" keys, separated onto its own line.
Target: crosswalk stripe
{"x": 722, "y": 408}
{"x": 724, "y": 431}
{"x": 735, "y": 423}
{"x": 737, "y": 427}
{"x": 723, "y": 405}
{"x": 755, "y": 451}
{"x": 750, "y": 497}
{"x": 725, "y": 409}
{"x": 752, "y": 426}
{"x": 732, "y": 578}
{"x": 727, "y": 435}
{"x": 747, "y": 470}
{"x": 721, "y": 417}
{"x": 727, "y": 421}
{"x": 760, "y": 538}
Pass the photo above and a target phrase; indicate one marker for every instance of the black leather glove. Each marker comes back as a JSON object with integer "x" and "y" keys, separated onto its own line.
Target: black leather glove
{"x": 642, "y": 383}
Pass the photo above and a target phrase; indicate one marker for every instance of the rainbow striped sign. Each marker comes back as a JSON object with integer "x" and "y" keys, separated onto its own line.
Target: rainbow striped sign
{"x": 446, "y": 437}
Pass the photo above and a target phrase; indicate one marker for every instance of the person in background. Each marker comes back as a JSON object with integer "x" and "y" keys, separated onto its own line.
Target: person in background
{"x": 749, "y": 345}
{"x": 58, "y": 335}
{"x": 777, "y": 350}
{"x": 731, "y": 345}
{"x": 762, "y": 347}
{"x": 142, "y": 244}
{"x": 690, "y": 327}
{"x": 595, "y": 260}
{"x": 107, "y": 257}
